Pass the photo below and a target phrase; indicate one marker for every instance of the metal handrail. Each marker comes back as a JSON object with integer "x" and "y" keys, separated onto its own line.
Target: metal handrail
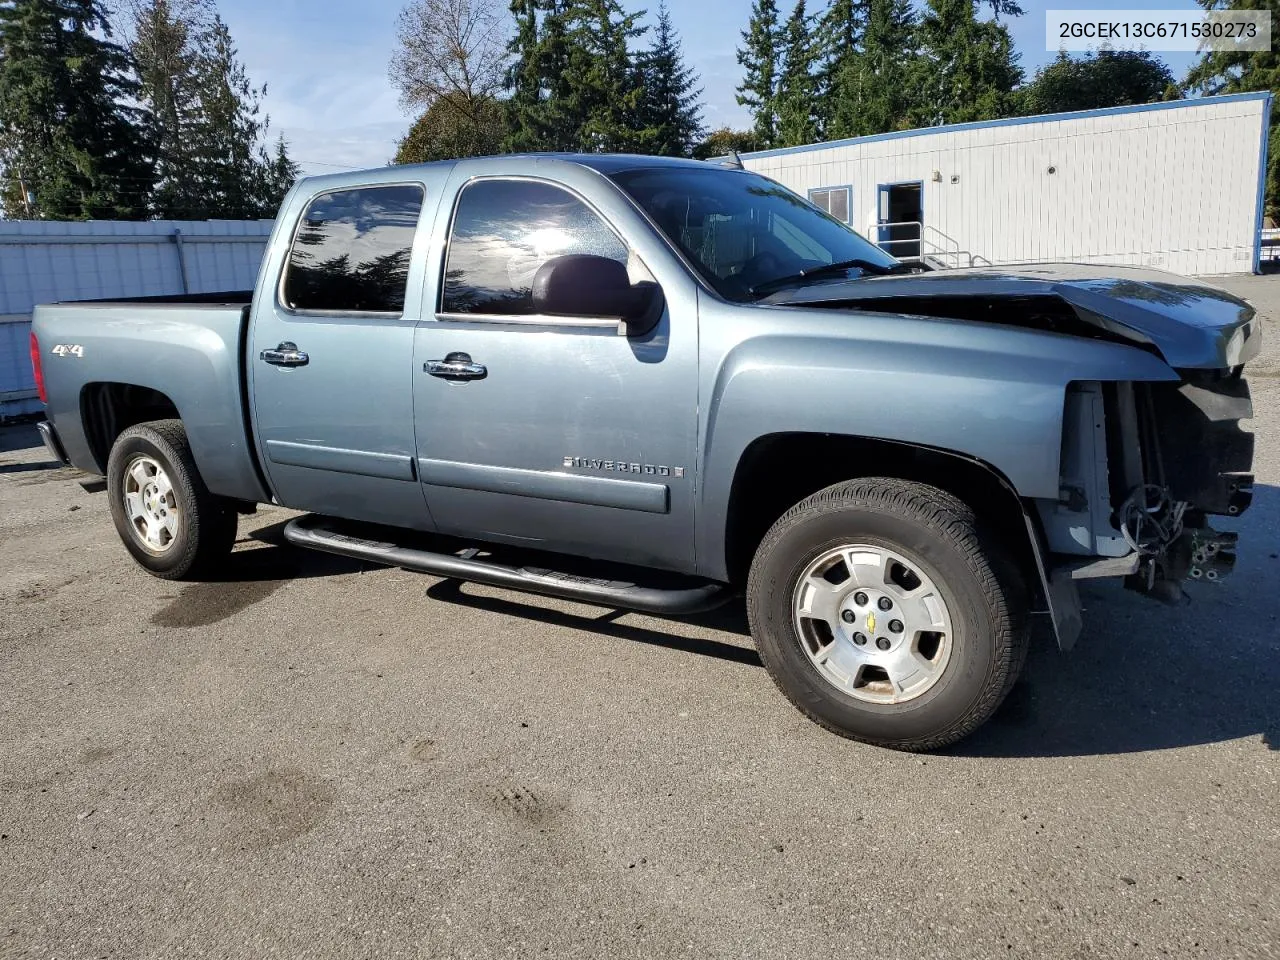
{"x": 928, "y": 247}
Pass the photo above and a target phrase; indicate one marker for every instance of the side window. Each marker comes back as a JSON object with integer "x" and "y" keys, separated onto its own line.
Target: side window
{"x": 503, "y": 231}
{"x": 351, "y": 251}
{"x": 834, "y": 200}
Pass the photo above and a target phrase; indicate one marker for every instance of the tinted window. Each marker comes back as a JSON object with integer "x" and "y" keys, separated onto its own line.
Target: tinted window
{"x": 351, "y": 252}
{"x": 740, "y": 229}
{"x": 503, "y": 231}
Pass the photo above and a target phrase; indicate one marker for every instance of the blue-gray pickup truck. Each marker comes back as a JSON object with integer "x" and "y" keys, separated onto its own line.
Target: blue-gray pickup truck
{"x": 654, "y": 384}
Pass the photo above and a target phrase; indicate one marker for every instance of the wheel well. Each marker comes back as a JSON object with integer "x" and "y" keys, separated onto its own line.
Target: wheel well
{"x": 778, "y": 471}
{"x": 108, "y": 409}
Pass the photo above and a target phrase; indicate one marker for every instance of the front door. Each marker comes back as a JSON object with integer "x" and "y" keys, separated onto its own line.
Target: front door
{"x": 330, "y": 362}
{"x": 555, "y": 432}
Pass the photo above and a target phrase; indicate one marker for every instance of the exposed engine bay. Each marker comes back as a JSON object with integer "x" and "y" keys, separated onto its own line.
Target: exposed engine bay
{"x": 1143, "y": 468}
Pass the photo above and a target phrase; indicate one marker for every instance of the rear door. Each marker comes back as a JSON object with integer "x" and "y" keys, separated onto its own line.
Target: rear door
{"x": 331, "y": 354}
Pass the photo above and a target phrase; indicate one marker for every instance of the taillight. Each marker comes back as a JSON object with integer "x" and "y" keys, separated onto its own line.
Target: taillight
{"x": 37, "y": 368}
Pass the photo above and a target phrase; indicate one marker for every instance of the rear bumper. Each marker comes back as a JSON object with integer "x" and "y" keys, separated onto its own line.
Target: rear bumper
{"x": 51, "y": 442}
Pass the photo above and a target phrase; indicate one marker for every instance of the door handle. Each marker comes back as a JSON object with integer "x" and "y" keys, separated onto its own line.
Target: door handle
{"x": 456, "y": 366}
{"x": 285, "y": 355}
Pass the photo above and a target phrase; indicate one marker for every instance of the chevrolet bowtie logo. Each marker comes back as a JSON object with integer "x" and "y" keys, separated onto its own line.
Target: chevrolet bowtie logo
{"x": 871, "y": 623}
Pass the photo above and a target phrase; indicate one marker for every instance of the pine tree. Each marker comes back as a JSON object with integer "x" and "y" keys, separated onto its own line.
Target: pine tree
{"x": 1231, "y": 71}
{"x": 670, "y": 116}
{"x": 968, "y": 68}
{"x": 797, "y": 85}
{"x": 69, "y": 129}
{"x": 163, "y": 44}
{"x": 573, "y": 81}
{"x": 759, "y": 56}
{"x": 838, "y": 42}
{"x": 230, "y": 160}
{"x": 278, "y": 177}
{"x": 523, "y": 80}
{"x": 604, "y": 88}
{"x": 871, "y": 91}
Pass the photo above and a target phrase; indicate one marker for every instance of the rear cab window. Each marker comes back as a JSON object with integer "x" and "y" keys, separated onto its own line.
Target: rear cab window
{"x": 351, "y": 251}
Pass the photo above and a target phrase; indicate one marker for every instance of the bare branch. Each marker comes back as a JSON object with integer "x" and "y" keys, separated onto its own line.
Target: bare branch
{"x": 449, "y": 48}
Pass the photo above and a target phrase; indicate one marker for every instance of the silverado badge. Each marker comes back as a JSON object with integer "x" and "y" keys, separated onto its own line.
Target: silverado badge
{"x": 623, "y": 466}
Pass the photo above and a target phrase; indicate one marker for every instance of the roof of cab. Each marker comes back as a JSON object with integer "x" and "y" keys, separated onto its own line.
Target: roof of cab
{"x": 605, "y": 163}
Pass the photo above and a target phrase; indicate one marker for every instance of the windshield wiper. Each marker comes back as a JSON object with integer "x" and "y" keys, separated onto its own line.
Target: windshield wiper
{"x": 870, "y": 266}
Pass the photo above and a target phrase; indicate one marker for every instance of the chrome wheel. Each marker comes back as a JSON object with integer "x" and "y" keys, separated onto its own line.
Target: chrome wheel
{"x": 151, "y": 504}
{"x": 873, "y": 623}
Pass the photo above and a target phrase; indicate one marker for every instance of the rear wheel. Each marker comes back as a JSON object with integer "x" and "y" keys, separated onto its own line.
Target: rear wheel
{"x": 167, "y": 518}
{"x": 886, "y": 615}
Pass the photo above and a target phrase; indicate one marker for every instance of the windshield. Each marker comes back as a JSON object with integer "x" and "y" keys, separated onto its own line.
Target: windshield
{"x": 741, "y": 230}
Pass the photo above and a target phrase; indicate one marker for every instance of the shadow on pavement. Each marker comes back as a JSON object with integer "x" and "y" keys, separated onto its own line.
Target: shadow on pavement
{"x": 1143, "y": 676}
{"x": 730, "y": 618}
{"x": 19, "y": 436}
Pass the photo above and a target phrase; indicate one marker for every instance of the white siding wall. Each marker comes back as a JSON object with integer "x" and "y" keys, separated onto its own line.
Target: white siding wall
{"x": 43, "y": 261}
{"x": 1174, "y": 187}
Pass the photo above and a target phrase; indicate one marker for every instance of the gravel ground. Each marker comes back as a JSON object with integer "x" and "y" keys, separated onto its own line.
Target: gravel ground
{"x": 316, "y": 758}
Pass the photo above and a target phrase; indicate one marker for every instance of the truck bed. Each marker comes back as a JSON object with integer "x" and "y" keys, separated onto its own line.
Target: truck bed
{"x": 187, "y": 350}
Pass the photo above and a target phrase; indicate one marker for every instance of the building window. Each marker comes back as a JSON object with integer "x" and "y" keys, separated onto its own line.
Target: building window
{"x": 503, "y": 231}
{"x": 351, "y": 252}
{"x": 837, "y": 201}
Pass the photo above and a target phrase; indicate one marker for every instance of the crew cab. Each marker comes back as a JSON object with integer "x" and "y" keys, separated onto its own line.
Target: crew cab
{"x": 656, "y": 384}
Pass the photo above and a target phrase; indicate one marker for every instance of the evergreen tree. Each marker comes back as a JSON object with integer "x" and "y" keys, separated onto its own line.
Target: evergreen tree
{"x": 759, "y": 56}
{"x": 670, "y": 117}
{"x": 839, "y": 39}
{"x": 279, "y": 176}
{"x": 163, "y": 44}
{"x": 1232, "y": 71}
{"x": 573, "y": 82}
{"x": 968, "y": 68}
{"x": 69, "y": 131}
{"x": 1109, "y": 78}
{"x": 872, "y": 91}
{"x": 230, "y": 160}
{"x": 523, "y": 80}
{"x": 604, "y": 88}
{"x": 797, "y": 96}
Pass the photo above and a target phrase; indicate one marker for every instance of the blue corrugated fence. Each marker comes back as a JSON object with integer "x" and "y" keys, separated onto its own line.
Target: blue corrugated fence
{"x": 44, "y": 262}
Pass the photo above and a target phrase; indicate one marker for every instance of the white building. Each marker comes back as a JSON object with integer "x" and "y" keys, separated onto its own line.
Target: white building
{"x": 1175, "y": 185}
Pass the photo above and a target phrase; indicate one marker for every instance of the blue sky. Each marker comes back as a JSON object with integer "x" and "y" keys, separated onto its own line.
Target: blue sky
{"x": 325, "y": 66}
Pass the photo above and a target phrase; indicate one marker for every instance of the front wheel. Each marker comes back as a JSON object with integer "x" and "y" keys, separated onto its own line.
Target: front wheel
{"x": 884, "y": 614}
{"x": 167, "y": 518}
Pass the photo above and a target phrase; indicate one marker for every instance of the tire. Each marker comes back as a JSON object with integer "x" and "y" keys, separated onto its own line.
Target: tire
{"x": 197, "y": 528}
{"x": 941, "y": 571}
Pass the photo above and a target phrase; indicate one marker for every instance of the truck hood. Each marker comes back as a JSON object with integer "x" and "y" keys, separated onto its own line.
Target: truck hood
{"x": 1190, "y": 323}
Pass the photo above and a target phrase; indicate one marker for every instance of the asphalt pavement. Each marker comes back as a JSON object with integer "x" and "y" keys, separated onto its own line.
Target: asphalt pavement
{"x": 319, "y": 758}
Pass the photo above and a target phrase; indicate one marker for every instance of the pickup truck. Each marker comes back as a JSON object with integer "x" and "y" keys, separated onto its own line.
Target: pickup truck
{"x": 655, "y": 384}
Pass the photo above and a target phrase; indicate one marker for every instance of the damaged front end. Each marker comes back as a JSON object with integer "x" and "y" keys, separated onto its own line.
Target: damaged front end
{"x": 1144, "y": 468}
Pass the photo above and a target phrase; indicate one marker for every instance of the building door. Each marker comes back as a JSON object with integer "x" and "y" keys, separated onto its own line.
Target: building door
{"x": 900, "y": 214}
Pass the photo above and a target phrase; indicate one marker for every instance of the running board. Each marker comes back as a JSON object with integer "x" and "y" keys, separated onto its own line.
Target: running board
{"x": 317, "y": 533}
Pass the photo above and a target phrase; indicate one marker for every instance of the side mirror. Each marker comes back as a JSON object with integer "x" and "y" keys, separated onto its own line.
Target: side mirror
{"x": 584, "y": 285}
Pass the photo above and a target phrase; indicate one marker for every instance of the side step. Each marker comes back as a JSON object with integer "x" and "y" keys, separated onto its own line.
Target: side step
{"x": 318, "y": 533}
